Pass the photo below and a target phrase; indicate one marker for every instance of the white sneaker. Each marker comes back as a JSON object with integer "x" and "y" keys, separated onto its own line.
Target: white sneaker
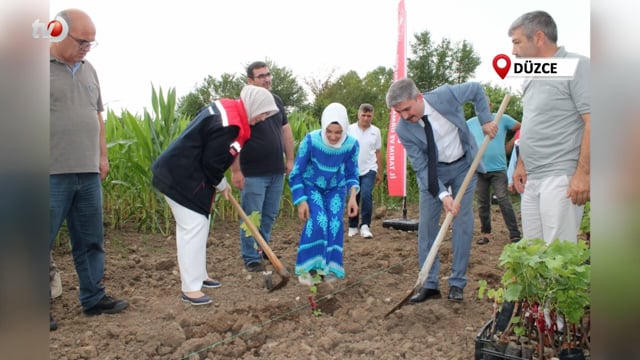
{"x": 353, "y": 231}
{"x": 330, "y": 278}
{"x": 56, "y": 285}
{"x": 365, "y": 232}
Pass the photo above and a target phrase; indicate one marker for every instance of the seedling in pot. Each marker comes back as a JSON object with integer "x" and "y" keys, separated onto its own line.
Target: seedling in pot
{"x": 549, "y": 287}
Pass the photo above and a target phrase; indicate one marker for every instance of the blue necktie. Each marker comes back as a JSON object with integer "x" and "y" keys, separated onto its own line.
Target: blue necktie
{"x": 432, "y": 158}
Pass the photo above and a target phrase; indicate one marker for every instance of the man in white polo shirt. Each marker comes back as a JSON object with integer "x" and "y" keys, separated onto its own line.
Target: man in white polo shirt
{"x": 553, "y": 171}
{"x": 370, "y": 166}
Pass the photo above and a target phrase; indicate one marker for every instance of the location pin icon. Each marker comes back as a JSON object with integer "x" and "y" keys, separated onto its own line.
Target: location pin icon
{"x": 501, "y": 71}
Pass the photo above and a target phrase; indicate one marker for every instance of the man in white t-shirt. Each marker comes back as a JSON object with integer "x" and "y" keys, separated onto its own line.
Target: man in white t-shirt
{"x": 370, "y": 166}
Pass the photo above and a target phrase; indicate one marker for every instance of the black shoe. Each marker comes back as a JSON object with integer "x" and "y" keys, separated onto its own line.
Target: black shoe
{"x": 254, "y": 266}
{"x": 107, "y": 305}
{"x": 53, "y": 324}
{"x": 202, "y": 300}
{"x": 483, "y": 240}
{"x": 455, "y": 294}
{"x": 424, "y": 294}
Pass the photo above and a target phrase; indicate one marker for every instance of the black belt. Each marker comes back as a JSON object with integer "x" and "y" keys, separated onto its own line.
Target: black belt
{"x": 452, "y": 162}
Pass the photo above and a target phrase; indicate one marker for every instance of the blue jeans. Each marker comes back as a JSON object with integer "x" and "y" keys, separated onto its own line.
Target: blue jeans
{"x": 365, "y": 199}
{"x": 497, "y": 180}
{"x": 261, "y": 194}
{"x": 77, "y": 198}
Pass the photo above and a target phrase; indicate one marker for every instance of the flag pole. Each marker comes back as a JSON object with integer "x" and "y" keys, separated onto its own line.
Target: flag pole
{"x": 396, "y": 155}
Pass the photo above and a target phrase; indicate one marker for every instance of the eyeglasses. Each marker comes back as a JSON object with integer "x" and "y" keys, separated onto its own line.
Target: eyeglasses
{"x": 264, "y": 76}
{"x": 84, "y": 43}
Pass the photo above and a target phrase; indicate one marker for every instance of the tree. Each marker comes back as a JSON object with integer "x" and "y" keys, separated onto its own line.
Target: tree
{"x": 496, "y": 95}
{"x": 377, "y": 83}
{"x": 350, "y": 90}
{"x": 229, "y": 85}
{"x": 347, "y": 90}
{"x": 444, "y": 63}
{"x": 286, "y": 86}
{"x": 319, "y": 86}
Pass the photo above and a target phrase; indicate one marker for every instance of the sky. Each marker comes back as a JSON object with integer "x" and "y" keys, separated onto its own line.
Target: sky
{"x": 178, "y": 44}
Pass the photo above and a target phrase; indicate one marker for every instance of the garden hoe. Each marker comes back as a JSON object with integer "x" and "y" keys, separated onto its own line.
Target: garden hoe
{"x": 282, "y": 271}
{"x": 426, "y": 267}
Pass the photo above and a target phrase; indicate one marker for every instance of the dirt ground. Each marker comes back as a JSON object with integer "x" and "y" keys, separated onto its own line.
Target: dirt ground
{"x": 247, "y": 322}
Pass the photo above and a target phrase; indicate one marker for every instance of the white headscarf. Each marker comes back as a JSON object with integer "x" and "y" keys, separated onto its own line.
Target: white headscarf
{"x": 334, "y": 112}
{"x": 258, "y": 100}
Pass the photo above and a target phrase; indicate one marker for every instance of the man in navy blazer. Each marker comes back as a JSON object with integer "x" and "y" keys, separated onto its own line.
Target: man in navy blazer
{"x": 455, "y": 151}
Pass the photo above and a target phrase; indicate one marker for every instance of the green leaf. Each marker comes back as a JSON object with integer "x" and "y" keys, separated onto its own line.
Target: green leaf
{"x": 482, "y": 286}
{"x": 254, "y": 217}
{"x": 554, "y": 274}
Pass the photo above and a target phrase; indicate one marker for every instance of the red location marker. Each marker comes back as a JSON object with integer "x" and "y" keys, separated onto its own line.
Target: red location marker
{"x": 502, "y": 71}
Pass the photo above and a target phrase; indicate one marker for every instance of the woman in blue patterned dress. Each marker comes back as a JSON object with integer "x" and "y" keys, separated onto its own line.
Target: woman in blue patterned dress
{"x": 326, "y": 166}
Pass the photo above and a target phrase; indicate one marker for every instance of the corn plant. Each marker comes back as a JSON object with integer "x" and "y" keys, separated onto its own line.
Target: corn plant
{"x": 301, "y": 124}
{"x": 133, "y": 144}
{"x": 381, "y": 194}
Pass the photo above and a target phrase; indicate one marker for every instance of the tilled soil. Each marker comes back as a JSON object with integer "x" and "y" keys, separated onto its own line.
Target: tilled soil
{"x": 248, "y": 322}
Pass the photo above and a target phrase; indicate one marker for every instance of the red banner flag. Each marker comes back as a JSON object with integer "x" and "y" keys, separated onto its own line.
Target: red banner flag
{"x": 396, "y": 156}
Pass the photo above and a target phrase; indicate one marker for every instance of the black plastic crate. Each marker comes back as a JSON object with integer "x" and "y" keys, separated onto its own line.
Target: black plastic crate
{"x": 486, "y": 349}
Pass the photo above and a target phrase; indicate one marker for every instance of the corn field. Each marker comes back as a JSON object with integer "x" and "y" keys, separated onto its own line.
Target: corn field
{"x": 135, "y": 141}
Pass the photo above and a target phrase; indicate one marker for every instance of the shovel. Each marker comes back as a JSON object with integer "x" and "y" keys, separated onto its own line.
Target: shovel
{"x": 282, "y": 271}
{"x": 426, "y": 267}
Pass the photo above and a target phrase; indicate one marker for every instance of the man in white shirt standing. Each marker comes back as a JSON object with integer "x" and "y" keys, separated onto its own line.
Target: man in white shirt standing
{"x": 553, "y": 170}
{"x": 370, "y": 166}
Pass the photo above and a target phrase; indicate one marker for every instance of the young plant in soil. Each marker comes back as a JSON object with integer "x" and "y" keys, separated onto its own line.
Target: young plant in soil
{"x": 255, "y": 218}
{"x": 585, "y": 224}
{"x": 316, "y": 278}
{"x": 548, "y": 286}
